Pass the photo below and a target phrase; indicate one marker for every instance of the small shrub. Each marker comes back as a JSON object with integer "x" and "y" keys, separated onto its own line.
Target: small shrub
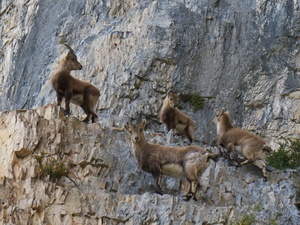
{"x": 246, "y": 219}
{"x": 48, "y": 165}
{"x": 138, "y": 84}
{"x": 287, "y": 156}
{"x": 295, "y": 120}
{"x": 250, "y": 218}
{"x": 195, "y": 99}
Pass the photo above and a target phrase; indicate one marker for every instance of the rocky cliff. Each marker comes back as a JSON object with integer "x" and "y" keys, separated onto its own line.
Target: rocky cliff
{"x": 104, "y": 186}
{"x": 242, "y": 55}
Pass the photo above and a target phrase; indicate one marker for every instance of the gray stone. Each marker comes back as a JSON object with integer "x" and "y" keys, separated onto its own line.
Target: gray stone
{"x": 242, "y": 55}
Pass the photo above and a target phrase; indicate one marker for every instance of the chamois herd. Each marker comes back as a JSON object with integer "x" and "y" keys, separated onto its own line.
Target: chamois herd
{"x": 180, "y": 162}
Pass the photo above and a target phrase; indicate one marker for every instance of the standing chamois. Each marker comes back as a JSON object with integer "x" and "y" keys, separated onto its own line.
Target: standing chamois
{"x": 73, "y": 90}
{"x": 175, "y": 119}
{"x": 180, "y": 162}
{"x": 245, "y": 143}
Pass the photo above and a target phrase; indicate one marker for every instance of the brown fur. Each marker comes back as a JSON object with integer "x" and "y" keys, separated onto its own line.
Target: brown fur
{"x": 175, "y": 119}
{"x": 73, "y": 90}
{"x": 180, "y": 162}
{"x": 247, "y": 144}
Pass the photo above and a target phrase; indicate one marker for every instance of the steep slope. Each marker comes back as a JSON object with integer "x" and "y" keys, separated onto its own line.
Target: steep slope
{"x": 104, "y": 186}
{"x": 240, "y": 55}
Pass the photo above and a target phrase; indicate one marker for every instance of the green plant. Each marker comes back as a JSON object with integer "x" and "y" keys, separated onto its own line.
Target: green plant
{"x": 195, "y": 99}
{"x": 287, "y": 156}
{"x": 246, "y": 219}
{"x": 250, "y": 218}
{"x": 48, "y": 165}
{"x": 272, "y": 221}
{"x": 138, "y": 84}
{"x": 295, "y": 120}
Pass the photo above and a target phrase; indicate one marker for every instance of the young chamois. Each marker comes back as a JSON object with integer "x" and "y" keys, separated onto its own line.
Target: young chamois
{"x": 179, "y": 162}
{"x": 175, "y": 119}
{"x": 73, "y": 90}
{"x": 245, "y": 143}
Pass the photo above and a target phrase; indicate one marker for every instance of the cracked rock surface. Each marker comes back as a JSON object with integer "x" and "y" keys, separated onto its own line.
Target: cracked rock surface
{"x": 241, "y": 55}
{"x": 104, "y": 186}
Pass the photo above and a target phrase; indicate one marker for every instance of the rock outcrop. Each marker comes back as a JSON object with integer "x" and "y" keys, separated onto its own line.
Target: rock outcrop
{"x": 104, "y": 186}
{"x": 240, "y": 55}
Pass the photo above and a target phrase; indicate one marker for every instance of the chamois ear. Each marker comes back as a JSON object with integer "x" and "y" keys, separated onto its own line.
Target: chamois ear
{"x": 126, "y": 126}
{"x": 143, "y": 124}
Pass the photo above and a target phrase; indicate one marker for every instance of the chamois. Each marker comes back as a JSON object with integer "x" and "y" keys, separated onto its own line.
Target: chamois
{"x": 245, "y": 143}
{"x": 175, "y": 119}
{"x": 179, "y": 162}
{"x": 73, "y": 90}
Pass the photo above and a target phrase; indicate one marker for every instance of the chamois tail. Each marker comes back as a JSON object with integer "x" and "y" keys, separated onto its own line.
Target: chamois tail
{"x": 267, "y": 148}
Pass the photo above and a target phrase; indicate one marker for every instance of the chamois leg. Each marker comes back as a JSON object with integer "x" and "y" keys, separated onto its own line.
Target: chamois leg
{"x": 157, "y": 178}
{"x": 192, "y": 177}
{"x": 94, "y": 115}
{"x": 68, "y": 97}
{"x": 189, "y": 131}
{"x": 89, "y": 104}
{"x": 248, "y": 153}
{"x": 262, "y": 165}
{"x": 168, "y": 127}
{"x": 230, "y": 148}
{"x": 158, "y": 189}
{"x": 192, "y": 190}
{"x": 87, "y": 118}
{"x": 247, "y": 161}
{"x": 84, "y": 108}
{"x": 59, "y": 98}
{"x": 173, "y": 125}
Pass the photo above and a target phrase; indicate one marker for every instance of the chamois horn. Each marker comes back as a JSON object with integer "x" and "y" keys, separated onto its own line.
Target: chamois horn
{"x": 68, "y": 46}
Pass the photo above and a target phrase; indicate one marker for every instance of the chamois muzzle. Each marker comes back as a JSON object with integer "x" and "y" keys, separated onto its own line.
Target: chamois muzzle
{"x": 136, "y": 139}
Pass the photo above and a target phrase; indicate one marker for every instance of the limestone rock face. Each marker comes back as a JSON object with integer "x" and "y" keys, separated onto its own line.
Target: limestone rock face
{"x": 103, "y": 184}
{"x": 241, "y": 55}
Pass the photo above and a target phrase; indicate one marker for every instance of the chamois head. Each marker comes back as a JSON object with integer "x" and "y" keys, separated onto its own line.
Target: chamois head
{"x": 220, "y": 114}
{"x": 172, "y": 99}
{"x": 71, "y": 62}
{"x": 136, "y": 131}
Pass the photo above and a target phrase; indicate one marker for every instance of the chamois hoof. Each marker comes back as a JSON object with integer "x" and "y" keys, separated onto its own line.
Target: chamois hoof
{"x": 86, "y": 120}
{"x": 238, "y": 165}
{"x": 67, "y": 113}
{"x": 189, "y": 196}
{"x": 159, "y": 192}
{"x": 265, "y": 179}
